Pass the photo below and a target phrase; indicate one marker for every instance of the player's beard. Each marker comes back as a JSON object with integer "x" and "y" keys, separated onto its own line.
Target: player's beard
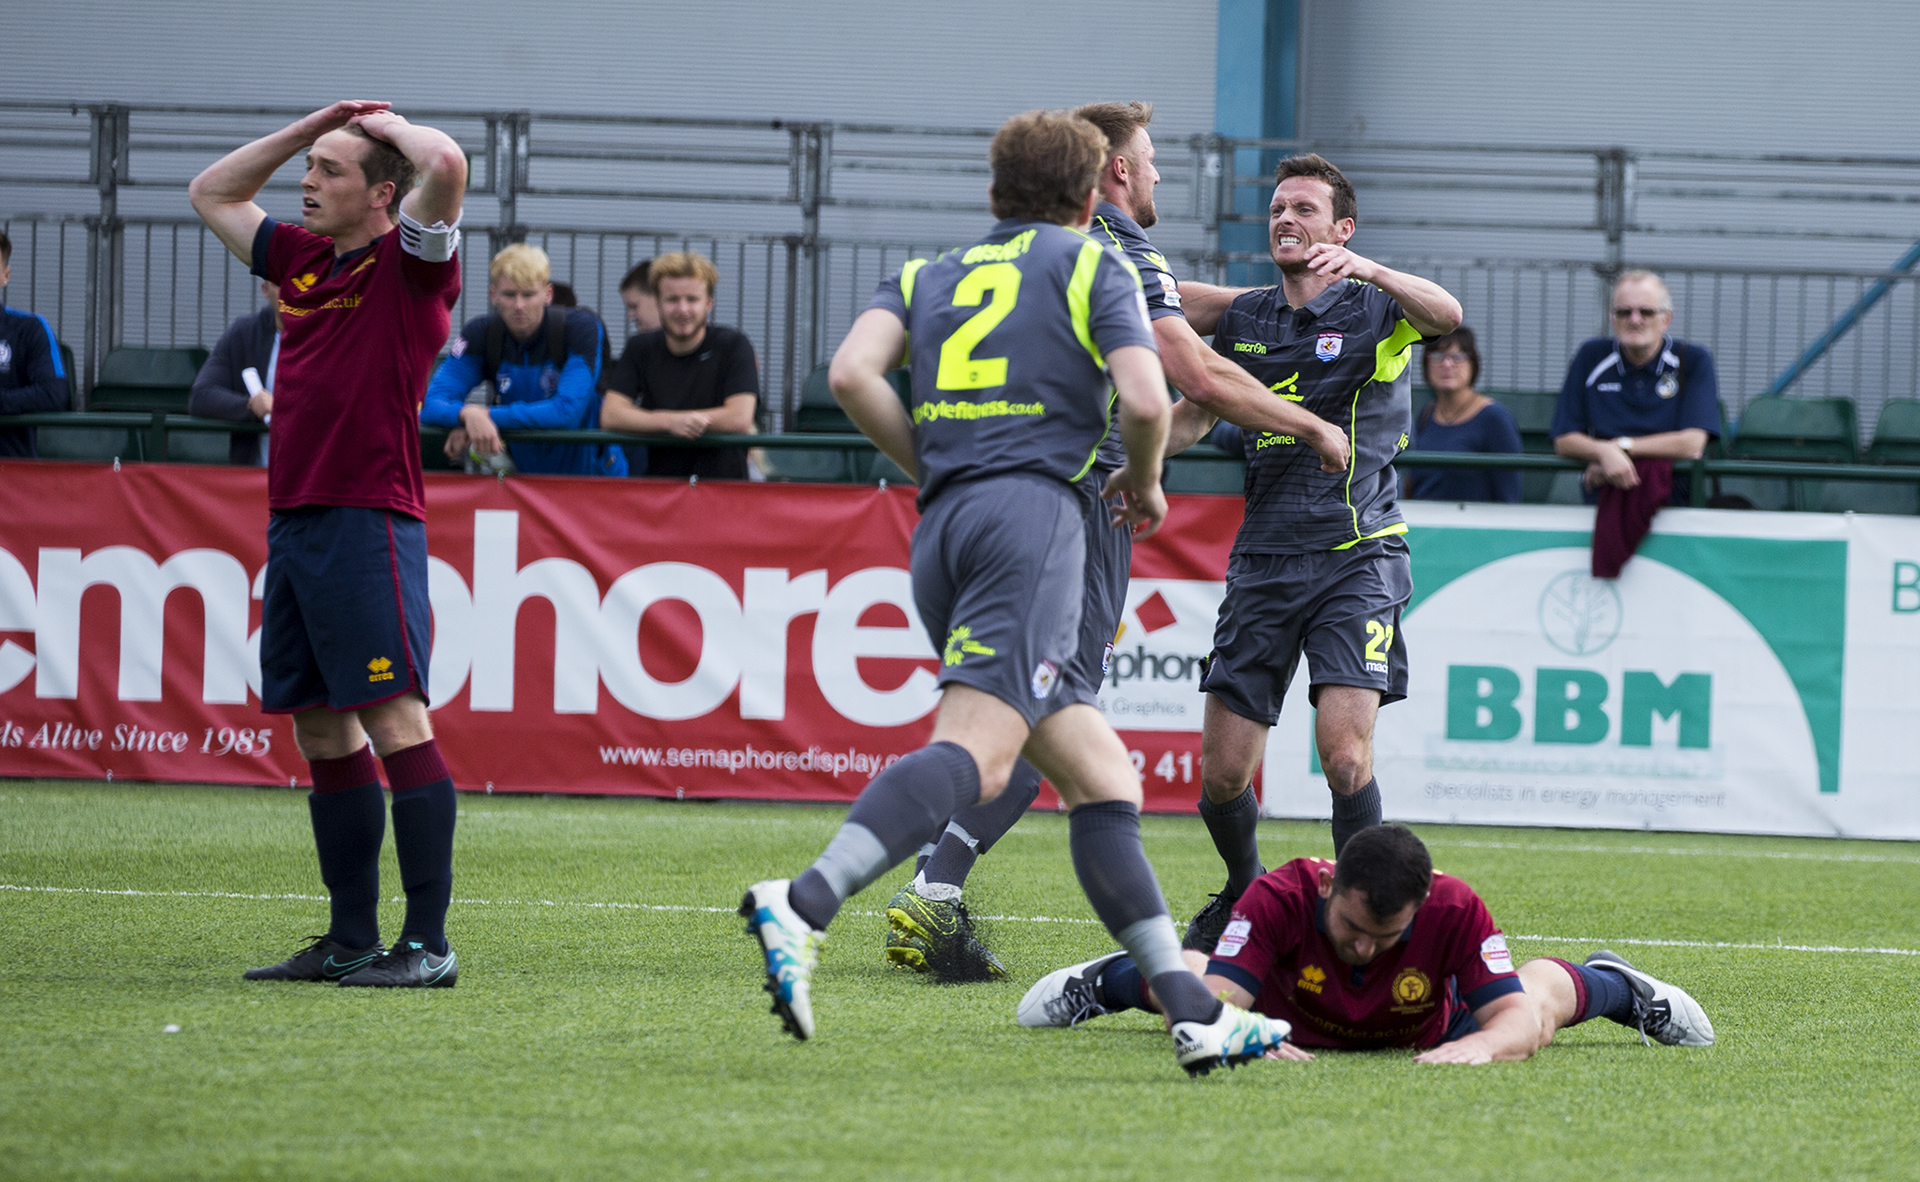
{"x": 1144, "y": 214}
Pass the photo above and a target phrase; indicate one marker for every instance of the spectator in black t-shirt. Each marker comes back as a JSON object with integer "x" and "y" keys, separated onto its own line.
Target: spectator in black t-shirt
{"x": 1460, "y": 418}
{"x": 219, "y": 392}
{"x": 688, "y": 378}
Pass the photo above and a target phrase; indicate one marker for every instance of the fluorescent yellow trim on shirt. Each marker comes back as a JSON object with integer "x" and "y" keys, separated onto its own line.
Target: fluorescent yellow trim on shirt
{"x": 1391, "y": 356}
{"x": 907, "y": 274}
{"x": 1391, "y": 530}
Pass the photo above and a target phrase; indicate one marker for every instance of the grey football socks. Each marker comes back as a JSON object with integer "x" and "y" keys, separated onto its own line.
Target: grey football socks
{"x": 1234, "y": 827}
{"x": 1113, "y": 870}
{"x": 974, "y": 831}
{"x": 906, "y": 806}
{"x": 1353, "y": 813}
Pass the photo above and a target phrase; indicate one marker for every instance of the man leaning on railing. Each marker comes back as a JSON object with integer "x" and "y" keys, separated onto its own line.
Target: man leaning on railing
{"x": 31, "y": 376}
{"x": 222, "y": 389}
{"x": 1638, "y": 395}
{"x": 687, "y": 379}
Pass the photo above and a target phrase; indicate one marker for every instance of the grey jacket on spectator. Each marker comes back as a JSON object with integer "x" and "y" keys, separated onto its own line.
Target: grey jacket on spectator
{"x": 218, "y": 392}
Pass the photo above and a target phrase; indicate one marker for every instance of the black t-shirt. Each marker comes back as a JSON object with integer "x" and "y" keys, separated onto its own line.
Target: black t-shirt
{"x": 702, "y": 380}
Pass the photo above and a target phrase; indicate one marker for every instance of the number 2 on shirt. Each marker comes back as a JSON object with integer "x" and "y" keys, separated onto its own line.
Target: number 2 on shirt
{"x": 959, "y": 368}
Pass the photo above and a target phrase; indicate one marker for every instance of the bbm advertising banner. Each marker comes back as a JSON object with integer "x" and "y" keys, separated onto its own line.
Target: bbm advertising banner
{"x": 1750, "y": 672}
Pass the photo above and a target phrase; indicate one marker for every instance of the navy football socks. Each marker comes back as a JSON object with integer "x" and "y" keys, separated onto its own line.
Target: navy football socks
{"x": 1608, "y": 994}
{"x": 424, "y": 812}
{"x": 349, "y": 821}
{"x": 1121, "y": 987}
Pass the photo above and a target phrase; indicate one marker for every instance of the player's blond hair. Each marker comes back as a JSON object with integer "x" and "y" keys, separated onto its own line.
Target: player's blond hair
{"x": 1044, "y": 165}
{"x": 683, "y": 264}
{"x": 520, "y": 265}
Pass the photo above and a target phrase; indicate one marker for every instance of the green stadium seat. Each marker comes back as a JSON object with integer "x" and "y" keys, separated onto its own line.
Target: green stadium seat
{"x": 81, "y": 443}
{"x": 147, "y": 379}
{"x": 818, "y": 413}
{"x": 1808, "y": 430}
{"x": 1818, "y": 430}
{"x": 1896, "y": 436}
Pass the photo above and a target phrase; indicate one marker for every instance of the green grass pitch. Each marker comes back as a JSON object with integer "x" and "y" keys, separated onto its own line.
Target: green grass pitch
{"x": 609, "y": 1020}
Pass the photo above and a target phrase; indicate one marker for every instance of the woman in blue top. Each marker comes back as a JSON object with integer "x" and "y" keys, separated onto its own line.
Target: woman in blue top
{"x": 1461, "y": 418}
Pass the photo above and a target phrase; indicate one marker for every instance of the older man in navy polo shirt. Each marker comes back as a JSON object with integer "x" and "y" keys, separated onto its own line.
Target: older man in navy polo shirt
{"x": 1638, "y": 394}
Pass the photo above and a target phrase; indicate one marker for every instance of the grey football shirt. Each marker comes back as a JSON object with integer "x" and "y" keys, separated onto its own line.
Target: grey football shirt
{"x": 1008, "y": 343}
{"x": 1344, "y": 356}
{"x": 1112, "y": 226}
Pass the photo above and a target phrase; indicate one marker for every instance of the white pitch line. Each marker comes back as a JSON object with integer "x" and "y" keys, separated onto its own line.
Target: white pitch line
{"x": 1595, "y": 941}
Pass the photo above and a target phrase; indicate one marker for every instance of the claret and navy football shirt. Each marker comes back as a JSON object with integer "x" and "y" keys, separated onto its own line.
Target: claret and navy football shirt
{"x": 358, "y": 338}
{"x": 1276, "y": 947}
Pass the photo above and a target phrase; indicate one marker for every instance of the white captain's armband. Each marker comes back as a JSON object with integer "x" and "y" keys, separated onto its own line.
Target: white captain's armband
{"x": 435, "y": 243}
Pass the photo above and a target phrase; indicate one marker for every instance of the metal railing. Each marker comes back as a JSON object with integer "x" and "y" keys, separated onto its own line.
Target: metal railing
{"x": 804, "y": 217}
{"x": 156, "y": 428}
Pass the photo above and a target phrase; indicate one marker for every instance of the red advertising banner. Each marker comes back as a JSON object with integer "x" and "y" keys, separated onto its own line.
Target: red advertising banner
{"x": 718, "y": 640}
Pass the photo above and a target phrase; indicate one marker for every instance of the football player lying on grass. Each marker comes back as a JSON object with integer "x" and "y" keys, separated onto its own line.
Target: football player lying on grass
{"x": 1381, "y": 950}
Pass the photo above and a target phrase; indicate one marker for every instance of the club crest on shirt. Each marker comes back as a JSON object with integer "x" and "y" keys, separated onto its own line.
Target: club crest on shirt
{"x": 6, "y": 356}
{"x": 1412, "y": 991}
{"x": 1328, "y": 346}
{"x": 1667, "y": 386}
{"x": 1045, "y": 674}
{"x": 459, "y": 346}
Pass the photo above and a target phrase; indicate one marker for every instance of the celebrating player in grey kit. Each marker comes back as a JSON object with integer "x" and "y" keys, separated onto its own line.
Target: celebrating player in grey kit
{"x": 366, "y": 291}
{"x": 1013, "y": 343}
{"x": 929, "y": 929}
{"x": 1319, "y": 565}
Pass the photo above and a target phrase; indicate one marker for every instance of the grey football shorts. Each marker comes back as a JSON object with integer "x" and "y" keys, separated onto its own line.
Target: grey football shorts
{"x": 1339, "y": 607}
{"x": 999, "y": 571}
{"x": 1109, "y": 565}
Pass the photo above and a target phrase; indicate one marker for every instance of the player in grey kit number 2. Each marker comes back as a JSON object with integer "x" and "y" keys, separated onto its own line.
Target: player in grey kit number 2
{"x": 1014, "y": 341}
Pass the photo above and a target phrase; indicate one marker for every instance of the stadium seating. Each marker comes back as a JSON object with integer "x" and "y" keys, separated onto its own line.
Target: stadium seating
{"x": 81, "y": 443}
{"x": 147, "y": 379}
{"x": 1896, "y": 440}
{"x": 818, "y": 413}
{"x": 1807, "y": 430}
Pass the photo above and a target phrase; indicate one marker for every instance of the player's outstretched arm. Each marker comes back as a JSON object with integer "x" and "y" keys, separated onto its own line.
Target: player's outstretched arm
{"x": 1229, "y": 392}
{"x": 1144, "y": 414}
{"x": 1190, "y": 423}
{"x": 1430, "y": 308}
{"x": 1509, "y": 1031}
{"x": 439, "y": 161}
{"x": 858, "y": 375}
{"x": 1203, "y": 303}
{"x": 223, "y": 194}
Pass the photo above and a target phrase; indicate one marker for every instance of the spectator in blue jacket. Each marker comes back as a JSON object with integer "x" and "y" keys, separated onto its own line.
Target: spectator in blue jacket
{"x": 544, "y": 366}
{"x": 1460, "y": 418}
{"x": 32, "y": 379}
{"x": 1637, "y": 395}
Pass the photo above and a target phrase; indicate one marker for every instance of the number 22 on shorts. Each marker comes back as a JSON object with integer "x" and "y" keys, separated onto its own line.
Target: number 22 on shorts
{"x": 959, "y": 368}
{"x": 1379, "y": 642}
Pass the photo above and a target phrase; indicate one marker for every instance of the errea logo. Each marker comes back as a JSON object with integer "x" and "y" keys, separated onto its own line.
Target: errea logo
{"x": 303, "y": 282}
{"x": 380, "y": 669}
{"x": 1312, "y": 978}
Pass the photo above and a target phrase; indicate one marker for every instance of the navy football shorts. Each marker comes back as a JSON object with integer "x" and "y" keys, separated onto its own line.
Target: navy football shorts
{"x": 1339, "y": 607}
{"x": 999, "y": 568}
{"x": 345, "y": 623}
